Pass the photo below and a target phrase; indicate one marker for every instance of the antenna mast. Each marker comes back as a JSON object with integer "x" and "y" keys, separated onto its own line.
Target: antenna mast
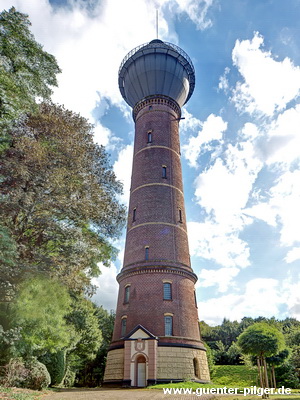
{"x": 157, "y": 24}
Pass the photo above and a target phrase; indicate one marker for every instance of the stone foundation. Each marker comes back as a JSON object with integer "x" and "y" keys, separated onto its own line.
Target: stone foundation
{"x": 172, "y": 364}
{"x": 176, "y": 363}
{"x": 114, "y": 370}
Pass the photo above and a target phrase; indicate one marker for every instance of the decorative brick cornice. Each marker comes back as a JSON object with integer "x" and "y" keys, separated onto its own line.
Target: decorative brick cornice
{"x": 157, "y": 223}
{"x": 156, "y": 100}
{"x": 157, "y": 184}
{"x": 157, "y": 147}
{"x": 125, "y": 273}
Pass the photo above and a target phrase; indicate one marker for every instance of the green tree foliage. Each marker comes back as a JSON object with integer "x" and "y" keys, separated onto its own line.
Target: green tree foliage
{"x": 60, "y": 198}
{"x": 261, "y": 340}
{"x": 39, "y": 309}
{"x": 56, "y": 366}
{"x": 84, "y": 319}
{"x": 26, "y": 70}
{"x": 287, "y": 376}
{"x": 9, "y": 340}
{"x": 93, "y": 371}
{"x": 8, "y": 256}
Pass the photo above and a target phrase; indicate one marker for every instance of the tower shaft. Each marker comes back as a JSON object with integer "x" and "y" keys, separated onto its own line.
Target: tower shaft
{"x": 156, "y": 335}
{"x": 156, "y": 290}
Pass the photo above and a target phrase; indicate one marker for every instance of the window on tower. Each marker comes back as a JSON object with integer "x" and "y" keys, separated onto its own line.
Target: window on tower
{"x": 164, "y": 171}
{"x": 149, "y": 136}
{"x": 147, "y": 253}
{"x": 180, "y": 215}
{"x": 126, "y": 294}
{"x": 168, "y": 325}
{"x": 195, "y": 298}
{"x": 123, "y": 326}
{"x": 134, "y": 215}
{"x": 167, "y": 291}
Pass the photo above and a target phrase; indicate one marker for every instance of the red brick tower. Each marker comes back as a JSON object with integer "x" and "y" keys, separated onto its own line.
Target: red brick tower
{"x": 156, "y": 335}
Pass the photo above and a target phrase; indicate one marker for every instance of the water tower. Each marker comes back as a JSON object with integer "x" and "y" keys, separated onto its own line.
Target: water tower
{"x": 156, "y": 335}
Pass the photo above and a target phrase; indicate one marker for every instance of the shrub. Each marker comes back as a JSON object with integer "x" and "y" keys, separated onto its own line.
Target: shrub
{"x": 286, "y": 375}
{"x": 14, "y": 373}
{"x": 38, "y": 377}
{"x": 69, "y": 378}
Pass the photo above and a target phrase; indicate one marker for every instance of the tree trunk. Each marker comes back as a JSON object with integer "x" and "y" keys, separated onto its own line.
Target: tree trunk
{"x": 260, "y": 374}
{"x": 271, "y": 378}
{"x": 274, "y": 377}
{"x": 265, "y": 374}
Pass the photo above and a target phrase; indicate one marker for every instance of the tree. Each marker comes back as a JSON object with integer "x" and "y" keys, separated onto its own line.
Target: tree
{"x": 84, "y": 319}
{"x": 59, "y": 198}
{"x": 26, "y": 70}
{"x": 261, "y": 340}
{"x": 8, "y": 256}
{"x": 276, "y": 360}
{"x": 91, "y": 374}
{"x": 39, "y": 310}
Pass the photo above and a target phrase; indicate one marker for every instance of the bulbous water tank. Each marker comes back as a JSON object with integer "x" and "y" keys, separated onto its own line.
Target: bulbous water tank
{"x": 156, "y": 68}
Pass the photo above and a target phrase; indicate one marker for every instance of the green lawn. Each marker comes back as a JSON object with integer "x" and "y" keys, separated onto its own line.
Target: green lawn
{"x": 235, "y": 376}
{"x": 20, "y": 394}
{"x": 231, "y": 376}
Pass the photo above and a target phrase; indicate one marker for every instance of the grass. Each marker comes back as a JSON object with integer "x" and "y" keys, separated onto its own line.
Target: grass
{"x": 20, "y": 394}
{"x": 235, "y": 376}
{"x": 231, "y": 376}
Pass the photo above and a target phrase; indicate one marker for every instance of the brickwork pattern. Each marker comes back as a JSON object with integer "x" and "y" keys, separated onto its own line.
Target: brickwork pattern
{"x": 114, "y": 369}
{"x": 147, "y": 307}
{"x": 157, "y": 199}
{"x": 177, "y": 363}
{"x": 157, "y": 224}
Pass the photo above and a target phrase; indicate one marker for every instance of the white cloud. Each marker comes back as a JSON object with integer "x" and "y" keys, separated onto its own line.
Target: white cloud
{"x": 224, "y": 188}
{"x": 268, "y": 85}
{"x": 282, "y": 209}
{"x": 122, "y": 168}
{"x": 212, "y": 129}
{"x": 219, "y": 243}
{"x": 107, "y": 284}
{"x": 249, "y": 132}
{"x": 222, "y": 278}
{"x": 293, "y": 255}
{"x": 223, "y": 81}
{"x": 252, "y": 303}
{"x": 283, "y": 138}
{"x": 196, "y": 10}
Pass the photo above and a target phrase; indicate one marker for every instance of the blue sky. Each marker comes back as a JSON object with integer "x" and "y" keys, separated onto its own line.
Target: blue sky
{"x": 240, "y": 137}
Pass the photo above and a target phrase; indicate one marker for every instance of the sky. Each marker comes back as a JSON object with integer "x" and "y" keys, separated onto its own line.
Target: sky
{"x": 240, "y": 139}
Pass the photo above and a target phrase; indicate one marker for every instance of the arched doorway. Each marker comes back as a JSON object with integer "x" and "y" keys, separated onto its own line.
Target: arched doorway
{"x": 140, "y": 371}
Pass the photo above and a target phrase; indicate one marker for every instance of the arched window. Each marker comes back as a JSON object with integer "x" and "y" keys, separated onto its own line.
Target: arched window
{"x": 149, "y": 137}
{"x": 147, "y": 253}
{"x": 123, "y": 326}
{"x": 164, "y": 171}
{"x": 167, "y": 291}
{"x": 196, "y": 368}
{"x": 133, "y": 214}
{"x": 168, "y": 325}
{"x": 126, "y": 294}
{"x": 180, "y": 215}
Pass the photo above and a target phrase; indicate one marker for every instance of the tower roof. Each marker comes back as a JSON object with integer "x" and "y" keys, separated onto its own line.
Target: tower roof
{"x": 156, "y": 68}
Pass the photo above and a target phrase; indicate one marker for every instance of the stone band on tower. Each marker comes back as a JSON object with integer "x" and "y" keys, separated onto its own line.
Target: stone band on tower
{"x": 156, "y": 334}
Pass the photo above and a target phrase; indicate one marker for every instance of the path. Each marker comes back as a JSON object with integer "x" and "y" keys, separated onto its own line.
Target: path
{"x": 117, "y": 394}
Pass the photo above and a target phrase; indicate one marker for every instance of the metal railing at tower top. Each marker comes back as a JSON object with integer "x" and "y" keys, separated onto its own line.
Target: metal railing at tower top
{"x": 162, "y": 47}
